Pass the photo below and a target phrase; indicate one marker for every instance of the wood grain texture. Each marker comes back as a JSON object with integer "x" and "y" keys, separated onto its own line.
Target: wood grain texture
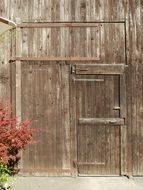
{"x": 119, "y": 41}
{"x": 88, "y": 42}
{"x": 97, "y": 143}
{"x": 67, "y": 10}
{"x": 96, "y": 69}
{"x": 5, "y": 53}
{"x": 134, "y": 87}
{"x": 50, "y": 115}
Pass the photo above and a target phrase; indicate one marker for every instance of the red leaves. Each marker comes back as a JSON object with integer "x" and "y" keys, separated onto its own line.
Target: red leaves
{"x": 13, "y": 137}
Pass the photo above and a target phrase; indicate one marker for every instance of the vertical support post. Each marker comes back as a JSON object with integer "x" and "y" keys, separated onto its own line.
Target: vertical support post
{"x": 18, "y": 72}
{"x": 128, "y": 28}
{"x": 18, "y": 75}
{"x": 73, "y": 124}
{"x": 123, "y": 114}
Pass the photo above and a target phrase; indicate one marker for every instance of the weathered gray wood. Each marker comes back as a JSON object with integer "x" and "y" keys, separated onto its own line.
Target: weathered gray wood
{"x": 123, "y": 114}
{"x": 96, "y": 126}
{"x": 134, "y": 93}
{"x": 18, "y": 75}
{"x": 56, "y": 59}
{"x": 50, "y": 114}
{"x": 76, "y": 43}
{"x": 18, "y": 92}
{"x": 73, "y": 128}
{"x": 87, "y": 80}
{"x": 114, "y": 69}
{"x": 58, "y": 11}
{"x": 5, "y": 53}
{"x": 50, "y": 25}
{"x": 65, "y": 117}
{"x": 118, "y": 41}
{"x": 101, "y": 121}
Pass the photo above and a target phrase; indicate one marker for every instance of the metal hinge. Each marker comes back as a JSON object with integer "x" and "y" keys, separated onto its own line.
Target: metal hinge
{"x": 75, "y": 164}
{"x": 72, "y": 69}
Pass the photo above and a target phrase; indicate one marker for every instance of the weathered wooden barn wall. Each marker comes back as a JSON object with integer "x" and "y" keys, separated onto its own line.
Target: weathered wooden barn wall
{"x": 135, "y": 87}
{"x": 128, "y": 13}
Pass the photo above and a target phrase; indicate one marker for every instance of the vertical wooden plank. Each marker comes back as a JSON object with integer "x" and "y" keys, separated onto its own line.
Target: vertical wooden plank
{"x": 135, "y": 58}
{"x": 82, "y": 10}
{"x": 44, "y": 42}
{"x": 66, "y": 159}
{"x": 73, "y": 125}
{"x": 132, "y": 33}
{"x": 114, "y": 10}
{"x": 139, "y": 82}
{"x": 18, "y": 74}
{"x": 25, "y": 10}
{"x": 123, "y": 114}
{"x": 5, "y": 53}
{"x": 129, "y": 89}
{"x": 129, "y": 118}
{"x": 41, "y": 9}
{"x": 95, "y": 10}
{"x": 72, "y": 4}
{"x": 55, "y": 11}
{"x": 16, "y": 11}
{"x": 47, "y": 12}
{"x": 62, "y": 10}
{"x": 25, "y": 42}
{"x": 48, "y": 42}
{"x": 77, "y": 10}
{"x": 39, "y": 42}
{"x": 18, "y": 78}
{"x": 140, "y": 120}
{"x": 134, "y": 122}
{"x": 4, "y": 8}
{"x": 35, "y": 11}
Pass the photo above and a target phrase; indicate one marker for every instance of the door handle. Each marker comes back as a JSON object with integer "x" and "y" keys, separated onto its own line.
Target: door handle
{"x": 112, "y": 121}
{"x": 83, "y": 70}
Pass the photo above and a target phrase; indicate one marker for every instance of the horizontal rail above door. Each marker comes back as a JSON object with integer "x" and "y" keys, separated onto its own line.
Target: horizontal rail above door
{"x": 101, "y": 121}
{"x": 50, "y": 25}
{"x": 55, "y": 59}
{"x": 115, "y": 69}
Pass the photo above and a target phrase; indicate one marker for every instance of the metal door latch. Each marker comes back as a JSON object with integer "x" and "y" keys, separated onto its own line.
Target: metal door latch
{"x": 72, "y": 69}
{"x": 112, "y": 121}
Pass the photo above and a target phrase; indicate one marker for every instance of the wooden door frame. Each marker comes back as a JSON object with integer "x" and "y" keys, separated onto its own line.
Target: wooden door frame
{"x": 123, "y": 129}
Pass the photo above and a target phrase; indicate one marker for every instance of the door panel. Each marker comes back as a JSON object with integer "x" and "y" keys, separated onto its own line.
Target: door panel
{"x": 98, "y": 124}
{"x": 45, "y": 101}
{"x": 101, "y": 42}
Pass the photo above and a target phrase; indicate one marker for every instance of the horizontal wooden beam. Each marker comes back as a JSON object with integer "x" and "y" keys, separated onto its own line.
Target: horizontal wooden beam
{"x": 101, "y": 121}
{"x": 87, "y": 80}
{"x": 90, "y": 163}
{"x": 55, "y": 59}
{"x": 67, "y": 24}
{"x": 50, "y": 25}
{"x": 100, "y": 69}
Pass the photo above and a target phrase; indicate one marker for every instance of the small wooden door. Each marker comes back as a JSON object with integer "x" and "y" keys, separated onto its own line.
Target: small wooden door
{"x": 98, "y": 118}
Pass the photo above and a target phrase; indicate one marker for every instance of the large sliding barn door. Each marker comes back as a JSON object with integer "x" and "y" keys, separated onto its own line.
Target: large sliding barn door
{"x": 98, "y": 118}
{"x": 83, "y": 125}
